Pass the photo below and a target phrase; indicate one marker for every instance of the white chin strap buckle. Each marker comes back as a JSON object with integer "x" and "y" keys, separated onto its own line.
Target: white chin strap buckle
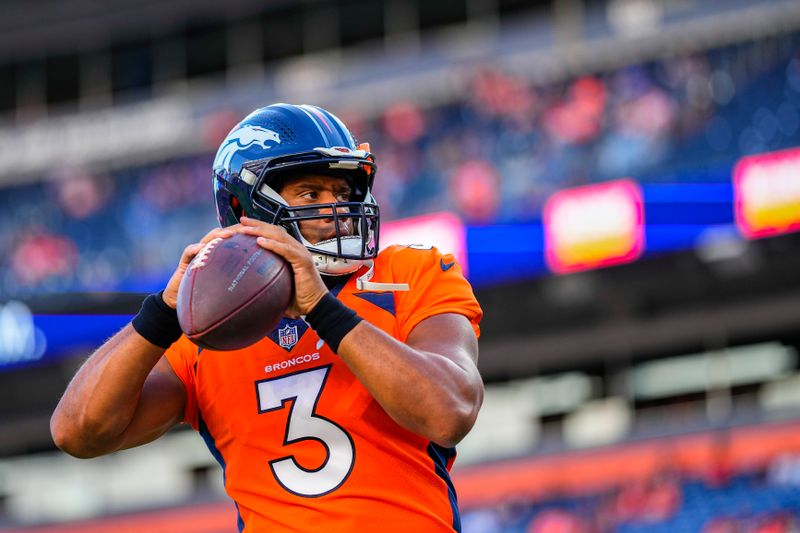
{"x": 363, "y": 282}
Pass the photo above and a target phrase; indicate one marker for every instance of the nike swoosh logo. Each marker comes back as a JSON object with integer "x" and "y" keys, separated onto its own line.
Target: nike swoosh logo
{"x": 446, "y": 266}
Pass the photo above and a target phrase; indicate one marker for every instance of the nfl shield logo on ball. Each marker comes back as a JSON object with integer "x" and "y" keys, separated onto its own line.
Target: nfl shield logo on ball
{"x": 287, "y": 337}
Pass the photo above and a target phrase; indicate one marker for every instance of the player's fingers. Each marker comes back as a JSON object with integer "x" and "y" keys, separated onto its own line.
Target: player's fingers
{"x": 247, "y": 221}
{"x": 284, "y": 249}
{"x": 222, "y": 233}
{"x": 170, "y": 294}
{"x": 217, "y": 233}
{"x": 190, "y": 251}
{"x": 254, "y": 223}
{"x": 308, "y": 286}
{"x": 295, "y": 253}
{"x": 270, "y": 231}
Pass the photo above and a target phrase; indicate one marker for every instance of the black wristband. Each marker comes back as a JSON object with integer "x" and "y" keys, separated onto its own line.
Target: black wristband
{"x": 157, "y": 322}
{"x": 332, "y": 320}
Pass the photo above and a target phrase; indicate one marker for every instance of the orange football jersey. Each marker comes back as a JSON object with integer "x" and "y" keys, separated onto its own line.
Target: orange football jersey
{"x": 303, "y": 445}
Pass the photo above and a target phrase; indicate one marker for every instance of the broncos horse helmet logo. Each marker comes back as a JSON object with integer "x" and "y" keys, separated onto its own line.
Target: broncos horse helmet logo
{"x": 242, "y": 139}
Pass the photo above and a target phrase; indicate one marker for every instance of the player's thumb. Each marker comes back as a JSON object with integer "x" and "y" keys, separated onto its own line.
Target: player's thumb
{"x": 170, "y": 294}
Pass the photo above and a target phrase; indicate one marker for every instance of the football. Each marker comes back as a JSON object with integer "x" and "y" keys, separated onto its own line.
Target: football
{"x": 233, "y": 293}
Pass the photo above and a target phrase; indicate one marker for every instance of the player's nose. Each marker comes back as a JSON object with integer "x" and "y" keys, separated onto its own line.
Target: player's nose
{"x": 330, "y": 198}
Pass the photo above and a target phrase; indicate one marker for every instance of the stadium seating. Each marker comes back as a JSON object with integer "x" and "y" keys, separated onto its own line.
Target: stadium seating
{"x": 509, "y": 143}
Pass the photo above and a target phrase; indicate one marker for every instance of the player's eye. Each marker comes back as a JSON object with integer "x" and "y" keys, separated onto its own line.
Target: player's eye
{"x": 309, "y": 195}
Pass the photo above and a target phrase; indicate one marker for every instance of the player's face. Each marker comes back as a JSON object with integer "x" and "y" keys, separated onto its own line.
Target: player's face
{"x": 311, "y": 189}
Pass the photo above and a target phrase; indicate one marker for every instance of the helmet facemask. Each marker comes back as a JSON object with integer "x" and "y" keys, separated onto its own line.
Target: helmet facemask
{"x": 356, "y": 222}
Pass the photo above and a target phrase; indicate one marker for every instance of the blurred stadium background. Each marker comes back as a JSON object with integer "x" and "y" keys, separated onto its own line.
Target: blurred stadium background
{"x": 621, "y": 179}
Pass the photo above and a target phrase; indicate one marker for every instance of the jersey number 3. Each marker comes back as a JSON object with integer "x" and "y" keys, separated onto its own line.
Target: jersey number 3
{"x": 305, "y": 388}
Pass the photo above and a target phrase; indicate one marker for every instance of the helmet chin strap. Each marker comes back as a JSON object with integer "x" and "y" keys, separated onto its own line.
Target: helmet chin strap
{"x": 363, "y": 282}
{"x": 336, "y": 266}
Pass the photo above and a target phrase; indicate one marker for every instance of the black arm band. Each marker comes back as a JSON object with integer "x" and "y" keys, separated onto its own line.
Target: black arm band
{"x": 157, "y": 322}
{"x": 332, "y": 320}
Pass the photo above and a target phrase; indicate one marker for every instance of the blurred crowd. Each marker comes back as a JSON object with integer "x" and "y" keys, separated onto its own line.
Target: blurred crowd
{"x": 493, "y": 156}
{"x": 754, "y": 502}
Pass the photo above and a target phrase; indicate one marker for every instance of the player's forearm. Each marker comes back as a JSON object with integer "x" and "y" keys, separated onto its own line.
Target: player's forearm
{"x": 101, "y": 399}
{"x": 424, "y": 392}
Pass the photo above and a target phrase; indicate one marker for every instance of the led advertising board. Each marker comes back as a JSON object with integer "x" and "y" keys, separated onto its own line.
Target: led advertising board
{"x": 594, "y": 226}
{"x": 767, "y": 193}
{"x": 443, "y": 230}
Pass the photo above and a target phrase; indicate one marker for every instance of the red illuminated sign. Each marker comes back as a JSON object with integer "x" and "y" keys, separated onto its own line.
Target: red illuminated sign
{"x": 767, "y": 193}
{"x": 594, "y": 226}
{"x": 443, "y": 230}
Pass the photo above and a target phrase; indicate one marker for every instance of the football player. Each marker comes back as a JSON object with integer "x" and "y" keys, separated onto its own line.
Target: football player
{"x": 346, "y": 417}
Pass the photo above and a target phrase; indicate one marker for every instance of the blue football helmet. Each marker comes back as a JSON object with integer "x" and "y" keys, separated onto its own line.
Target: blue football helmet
{"x": 282, "y": 140}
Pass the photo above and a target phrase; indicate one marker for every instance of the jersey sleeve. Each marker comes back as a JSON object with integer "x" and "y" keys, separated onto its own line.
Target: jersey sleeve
{"x": 182, "y": 357}
{"x": 436, "y": 286}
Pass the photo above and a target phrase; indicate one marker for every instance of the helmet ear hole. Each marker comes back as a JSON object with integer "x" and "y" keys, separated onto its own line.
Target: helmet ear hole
{"x": 236, "y": 207}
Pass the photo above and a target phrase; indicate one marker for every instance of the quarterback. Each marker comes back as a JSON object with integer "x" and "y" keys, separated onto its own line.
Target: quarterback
{"x": 346, "y": 416}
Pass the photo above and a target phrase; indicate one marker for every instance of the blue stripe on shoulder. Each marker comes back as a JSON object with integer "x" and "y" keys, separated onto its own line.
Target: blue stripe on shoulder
{"x": 197, "y": 359}
{"x": 441, "y": 456}
{"x": 384, "y": 300}
{"x": 336, "y": 284}
{"x": 212, "y": 447}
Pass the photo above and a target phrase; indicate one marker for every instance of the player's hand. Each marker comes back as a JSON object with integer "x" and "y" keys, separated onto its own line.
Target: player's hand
{"x": 171, "y": 291}
{"x": 308, "y": 285}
